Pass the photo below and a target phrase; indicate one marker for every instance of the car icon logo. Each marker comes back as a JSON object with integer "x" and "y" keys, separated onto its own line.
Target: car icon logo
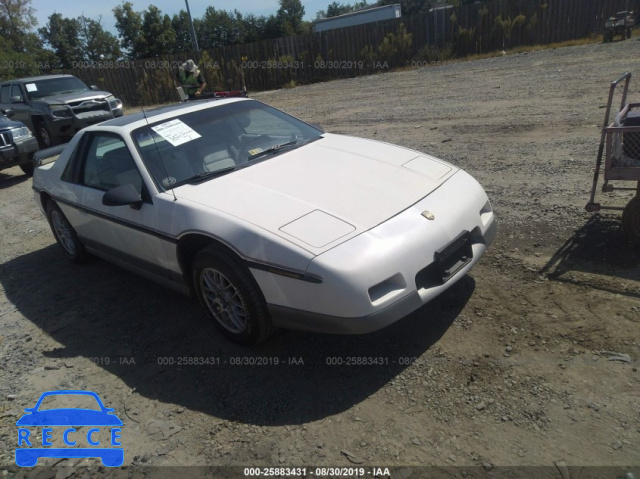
{"x": 71, "y": 418}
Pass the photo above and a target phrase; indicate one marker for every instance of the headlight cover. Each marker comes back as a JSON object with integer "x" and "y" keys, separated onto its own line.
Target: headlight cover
{"x": 20, "y": 134}
{"x": 114, "y": 102}
{"x": 61, "y": 111}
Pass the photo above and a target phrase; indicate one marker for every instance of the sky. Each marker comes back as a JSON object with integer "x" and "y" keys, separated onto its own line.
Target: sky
{"x": 95, "y": 8}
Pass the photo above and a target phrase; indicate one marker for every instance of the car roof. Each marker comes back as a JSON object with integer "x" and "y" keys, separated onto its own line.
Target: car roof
{"x": 38, "y": 78}
{"x": 135, "y": 120}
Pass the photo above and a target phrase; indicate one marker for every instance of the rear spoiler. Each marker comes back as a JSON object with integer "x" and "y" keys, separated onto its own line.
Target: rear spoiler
{"x": 48, "y": 155}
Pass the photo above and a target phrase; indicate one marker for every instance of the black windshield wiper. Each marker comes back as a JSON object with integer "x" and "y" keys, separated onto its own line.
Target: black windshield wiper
{"x": 273, "y": 149}
{"x": 207, "y": 175}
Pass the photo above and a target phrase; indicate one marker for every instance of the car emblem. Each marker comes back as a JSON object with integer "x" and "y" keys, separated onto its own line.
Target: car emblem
{"x": 428, "y": 214}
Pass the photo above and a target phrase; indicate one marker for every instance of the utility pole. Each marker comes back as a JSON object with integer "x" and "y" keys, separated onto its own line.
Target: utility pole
{"x": 194, "y": 40}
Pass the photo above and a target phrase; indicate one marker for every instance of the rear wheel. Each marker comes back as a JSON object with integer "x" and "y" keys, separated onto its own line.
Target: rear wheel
{"x": 65, "y": 235}
{"x": 231, "y": 297}
{"x": 631, "y": 219}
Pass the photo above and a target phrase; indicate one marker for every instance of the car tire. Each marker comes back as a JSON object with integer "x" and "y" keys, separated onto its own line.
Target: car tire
{"x": 631, "y": 219}
{"x": 65, "y": 235}
{"x": 27, "y": 169}
{"x": 43, "y": 135}
{"x": 230, "y": 297}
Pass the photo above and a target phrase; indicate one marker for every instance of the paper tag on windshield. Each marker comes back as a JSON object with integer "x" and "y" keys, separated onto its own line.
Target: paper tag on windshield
{"x": 176, "y": 132}
{"x": 31, "y": 87}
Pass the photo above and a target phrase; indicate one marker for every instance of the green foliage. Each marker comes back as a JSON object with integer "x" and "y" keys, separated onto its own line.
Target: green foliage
{"x": 290, "y": 16}
{"x": 464, "y": 41}
{"x": 368, "y": 55}
{"x": 129, "y": 26}
{"x": 396, "y": 45}
{"x": 158, "y": 35}
{"x": 63, "y": 35}
{"x": 434, "y": 54}
{"x": 505, "y": 26}
{"x": 218, "y": 28}
{"x": 21, "y": 50}
{"x": 182, "y": 30}
{"x": 211, "y": 72}
{"x": 335, "y": 9}
{"x": 17, "y": 18}
{"x": 155, "y": 86}
{"x": 97, "y": 44}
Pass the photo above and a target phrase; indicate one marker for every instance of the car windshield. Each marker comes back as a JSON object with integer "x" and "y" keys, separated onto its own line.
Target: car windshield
{"x": 54, "y": 86}
{"x": 69, "y": 401}
{"x": 201, "y": 145}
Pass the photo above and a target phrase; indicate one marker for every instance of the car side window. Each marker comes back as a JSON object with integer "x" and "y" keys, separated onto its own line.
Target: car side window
{"x": 108, "y": 164}
{"x": 5, "y": 96}
{"x": 15, "y": 91}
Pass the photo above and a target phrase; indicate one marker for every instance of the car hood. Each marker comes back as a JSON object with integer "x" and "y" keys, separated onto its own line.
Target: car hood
{"x": 6, "y": 123}
{"x": 325, "y": 192}
{"x": 74, "y": 97}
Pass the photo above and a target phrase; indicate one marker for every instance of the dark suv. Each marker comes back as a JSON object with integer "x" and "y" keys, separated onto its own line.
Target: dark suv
{"x": 17, "y": 144}
{"x": 55, "y": 107}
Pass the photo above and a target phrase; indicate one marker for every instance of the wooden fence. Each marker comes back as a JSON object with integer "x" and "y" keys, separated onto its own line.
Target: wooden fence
{"x": 359, "y": 50}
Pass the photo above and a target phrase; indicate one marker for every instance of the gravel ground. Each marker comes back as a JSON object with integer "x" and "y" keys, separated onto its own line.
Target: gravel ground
{"x": 531, "y": 360}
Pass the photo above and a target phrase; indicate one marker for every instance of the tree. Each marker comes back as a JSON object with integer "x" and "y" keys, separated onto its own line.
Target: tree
{"x": 157, "y": 33}
{"x": 290, "y": 16}
{"x": 21, "y": 52}
{"x": 505, "y": 26}
{"x": 76, "y": 40}
{"x": 63, "y": 35}
{"x": 182, "y": 29}
{"x": 97, "y": 43}
{"x": 129, "y": 26}
{"x": 218, "y": 28}
{"x": 335, "y": 9}
{"x": 254, "y": 28}
{"x": 17, "y": 18}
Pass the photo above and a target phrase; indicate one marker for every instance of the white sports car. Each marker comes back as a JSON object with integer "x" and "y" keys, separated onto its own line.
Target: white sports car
{"x": 268, "y": 220}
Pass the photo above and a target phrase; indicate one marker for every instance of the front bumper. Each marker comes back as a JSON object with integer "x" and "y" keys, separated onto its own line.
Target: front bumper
{"x": 384, "y": 274}
{"x": 63, "y": 128}
{"x": 18, "y": 153}
{"x": 68, "y": 123}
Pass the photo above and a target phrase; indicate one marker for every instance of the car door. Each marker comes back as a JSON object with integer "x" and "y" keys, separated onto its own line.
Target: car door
{"x": 5, "y": 96}
{"x": 126, "y": 233}
{"x": 19, "y": 106}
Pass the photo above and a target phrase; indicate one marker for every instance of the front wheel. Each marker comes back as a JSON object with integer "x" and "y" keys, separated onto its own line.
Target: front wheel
{"x": 43, "y": 135}
{"x": 65, "y": 235}
{"x": 27, "y": 169}
{"x": 631, "y": 219}
{"x": 231, "y": 297}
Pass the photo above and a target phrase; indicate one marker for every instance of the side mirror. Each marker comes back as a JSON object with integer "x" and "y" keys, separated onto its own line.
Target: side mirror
{"x": 16, "y": 99}
{"x": 9, "y": 113}
{"x": 94, "y": 87}
{"x": 123, "y": 195}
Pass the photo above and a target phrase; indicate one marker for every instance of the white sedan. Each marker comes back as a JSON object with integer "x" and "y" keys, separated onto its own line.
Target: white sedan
{"x": 269, "y": 221}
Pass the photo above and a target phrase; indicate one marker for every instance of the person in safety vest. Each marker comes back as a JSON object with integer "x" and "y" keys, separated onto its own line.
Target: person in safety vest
{"x": 191, "y": 79}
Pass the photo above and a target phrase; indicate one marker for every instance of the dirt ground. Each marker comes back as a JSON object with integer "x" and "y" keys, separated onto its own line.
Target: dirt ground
{"x": 531, "y": 360}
